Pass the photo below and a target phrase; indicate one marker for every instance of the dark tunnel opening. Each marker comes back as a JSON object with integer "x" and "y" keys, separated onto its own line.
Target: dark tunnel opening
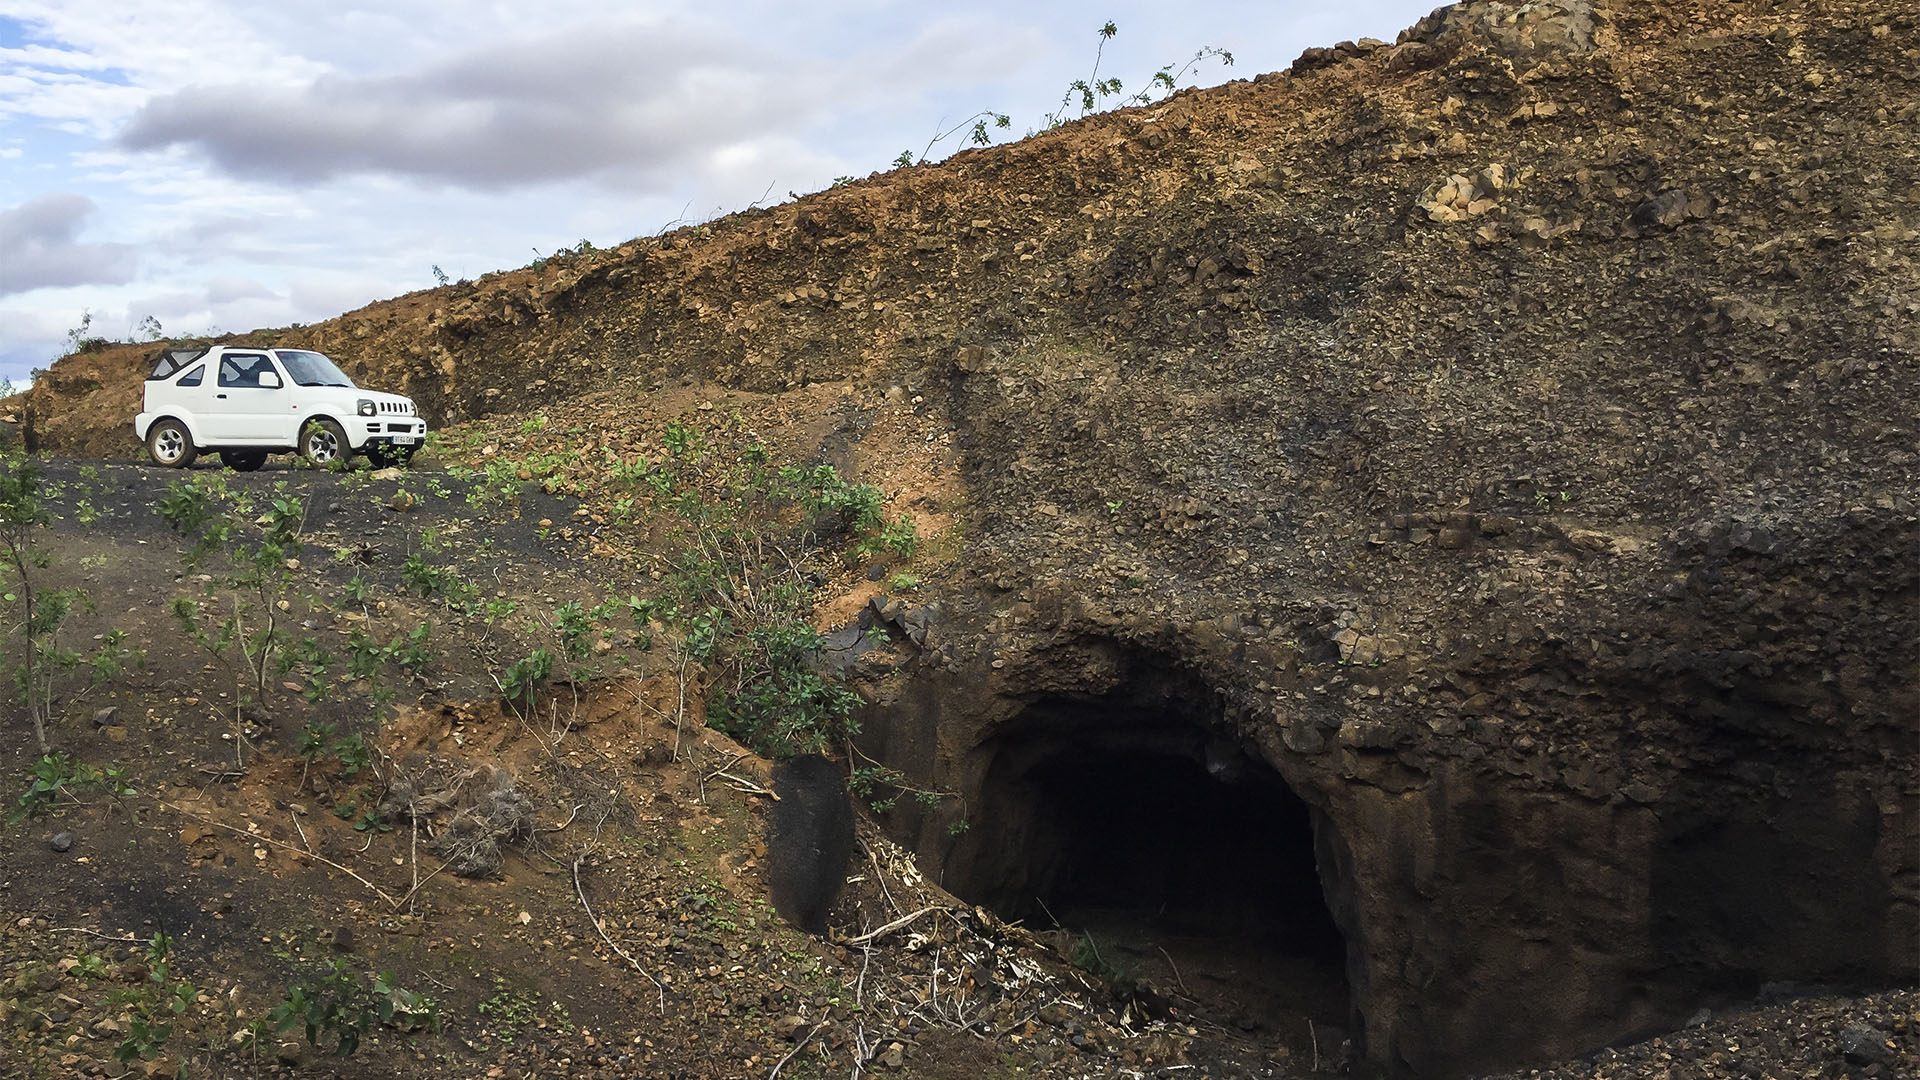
{"x": 1160, "y": 850}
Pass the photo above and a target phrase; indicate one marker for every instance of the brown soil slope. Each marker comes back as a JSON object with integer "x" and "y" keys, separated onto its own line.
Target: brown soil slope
{"x": 1505, "y": 438}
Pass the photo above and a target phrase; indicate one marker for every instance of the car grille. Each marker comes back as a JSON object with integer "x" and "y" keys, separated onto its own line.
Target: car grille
{"x": 391, "y": 407}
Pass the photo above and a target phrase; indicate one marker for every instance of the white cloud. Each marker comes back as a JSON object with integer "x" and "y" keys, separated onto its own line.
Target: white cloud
{"x": 629, "y": 102}
{"x": 39, "y": 248}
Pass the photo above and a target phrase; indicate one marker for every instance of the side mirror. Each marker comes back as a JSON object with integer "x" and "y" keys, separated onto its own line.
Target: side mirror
{"x": 270, "y": 380}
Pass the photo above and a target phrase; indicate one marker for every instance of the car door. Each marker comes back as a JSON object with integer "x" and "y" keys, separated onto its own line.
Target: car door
{"x": 249, "y": 404}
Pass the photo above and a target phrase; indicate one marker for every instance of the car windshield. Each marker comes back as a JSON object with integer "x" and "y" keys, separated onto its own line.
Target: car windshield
{"x": 311, "y": 369}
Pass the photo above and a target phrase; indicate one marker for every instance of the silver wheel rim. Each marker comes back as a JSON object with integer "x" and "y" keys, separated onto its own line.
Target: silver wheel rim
{"x": 169, "y": 445}
{"x": 322, "y": 447}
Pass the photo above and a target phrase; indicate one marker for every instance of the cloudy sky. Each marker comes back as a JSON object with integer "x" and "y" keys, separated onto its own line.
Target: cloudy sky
{"x": 227, "y": 165}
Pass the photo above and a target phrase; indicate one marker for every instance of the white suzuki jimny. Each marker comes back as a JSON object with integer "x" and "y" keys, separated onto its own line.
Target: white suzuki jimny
{"x": 248, "y": 402}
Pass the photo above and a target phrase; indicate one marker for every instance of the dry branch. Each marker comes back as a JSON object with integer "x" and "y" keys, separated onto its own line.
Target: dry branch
{"x": 598, "y": 929}
{"x": 894, "y": 925}
{"x": 782, "y": 1063}
{"x": 377, "y": 890}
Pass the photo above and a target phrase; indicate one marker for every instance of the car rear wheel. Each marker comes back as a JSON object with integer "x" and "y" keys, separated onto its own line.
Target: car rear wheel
{"x": 324, "y": 442}
{"x": 243, "y": 460}
{"x": 169, "y": 443}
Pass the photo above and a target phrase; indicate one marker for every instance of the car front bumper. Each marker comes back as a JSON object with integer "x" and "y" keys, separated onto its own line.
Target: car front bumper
{"x": 387, "y": 431}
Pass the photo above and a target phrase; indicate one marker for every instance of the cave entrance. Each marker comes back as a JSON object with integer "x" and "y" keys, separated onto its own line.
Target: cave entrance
{"x": 1162, "y": 851}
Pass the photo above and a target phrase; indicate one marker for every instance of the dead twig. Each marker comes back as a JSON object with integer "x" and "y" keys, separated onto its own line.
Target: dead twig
{"x": 94, "y": 933}
{"x": 892, "y": 926}
{"x": 421, "y": 884}
{"x": 1176, "y": 970}
{"x": 569, "y": 821}
{"x": 413, "y": 848}
{"x": 880, "y": 877}
{"x": 377, "y": 890}
{"x": 743, "y": 785}
{"x": 680, "y": 708}
{"x": 598, "y": 929}
{"x": 804, "y": 1039}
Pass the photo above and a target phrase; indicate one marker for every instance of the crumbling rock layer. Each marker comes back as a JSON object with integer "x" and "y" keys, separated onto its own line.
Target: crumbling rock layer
{"x": 1510, "y": 428}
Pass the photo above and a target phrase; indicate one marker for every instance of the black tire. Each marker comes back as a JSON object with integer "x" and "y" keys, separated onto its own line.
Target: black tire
{"x": 322, "y": 442}
{"x": 169, "y": 443}
{"x": 243, "y": 460}
{"x": 384, "y": 455}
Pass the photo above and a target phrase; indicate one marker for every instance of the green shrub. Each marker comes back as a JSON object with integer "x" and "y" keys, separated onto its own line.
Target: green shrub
{"x": 783, "y": 703}
{"x": 522, "y": 681}
{"x": 53, "y": 775}
{"x": 573, "y": 624}
{"x": 900, "y": 536}
{"x": 340, "y": 1008}
{"x": 41, "y": 611}
{"x": 156, "y": 1006}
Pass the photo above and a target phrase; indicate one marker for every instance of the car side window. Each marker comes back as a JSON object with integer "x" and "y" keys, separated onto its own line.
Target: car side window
{"x": 242, "y": 370}
{"x": 192, "y": 378}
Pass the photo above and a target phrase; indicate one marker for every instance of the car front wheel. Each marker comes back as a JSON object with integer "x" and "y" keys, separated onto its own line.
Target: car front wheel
{"x": 243, "y": 460}
{"x": 169, "y": 443}
{"x": 324, "y": 442}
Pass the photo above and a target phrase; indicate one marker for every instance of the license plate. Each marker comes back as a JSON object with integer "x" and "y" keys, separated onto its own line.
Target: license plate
{"x": 405, "y": 440}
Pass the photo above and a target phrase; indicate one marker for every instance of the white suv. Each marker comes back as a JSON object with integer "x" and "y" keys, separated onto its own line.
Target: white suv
{"x": 247, "y": 403}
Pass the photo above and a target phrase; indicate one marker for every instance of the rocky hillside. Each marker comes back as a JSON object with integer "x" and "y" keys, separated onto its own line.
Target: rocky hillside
{"x": 1500, "y": 442}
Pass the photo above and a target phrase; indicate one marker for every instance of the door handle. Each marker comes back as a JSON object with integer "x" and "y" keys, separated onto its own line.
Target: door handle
{"x": 222, "y": 397}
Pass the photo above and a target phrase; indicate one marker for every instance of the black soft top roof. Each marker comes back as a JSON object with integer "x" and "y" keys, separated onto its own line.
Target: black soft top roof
{"x": 172, "y": 360}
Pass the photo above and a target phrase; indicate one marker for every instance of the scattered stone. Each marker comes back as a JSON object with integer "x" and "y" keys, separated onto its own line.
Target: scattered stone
{"x": 61, "y": 841}
{"x": 1862, "y": 1045}
{"x": 918, "y": 622}
{"x": 1668, "y": 209}
{"x": 103, "y": 717}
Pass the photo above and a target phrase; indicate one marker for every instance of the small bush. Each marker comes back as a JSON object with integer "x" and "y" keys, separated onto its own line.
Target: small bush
{"x": 522, "y": 681}
{"x": 339, "y": 1008}
{"x": 784, "y": 704}
{"x": 53, "y": 775}
{"x": 573, "y": 624}
{"x": 155, "y": 1007}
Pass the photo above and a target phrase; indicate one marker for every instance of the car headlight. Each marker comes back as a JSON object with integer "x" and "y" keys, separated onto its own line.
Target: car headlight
{"x": 365, "y": 407}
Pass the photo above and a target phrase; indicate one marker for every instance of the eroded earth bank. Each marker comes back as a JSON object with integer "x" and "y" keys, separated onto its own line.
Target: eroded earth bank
{"x": 1433, "y": 532}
